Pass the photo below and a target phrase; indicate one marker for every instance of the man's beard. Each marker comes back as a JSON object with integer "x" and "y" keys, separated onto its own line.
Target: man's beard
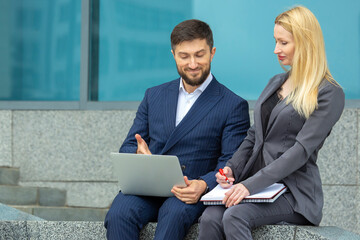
{"x": 194, "y": 82}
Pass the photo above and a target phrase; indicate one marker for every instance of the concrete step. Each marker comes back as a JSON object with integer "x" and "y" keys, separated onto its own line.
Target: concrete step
{"x": 18, "y": 195}
{"x": 52, "y": 197}
{"x": 65, "y": 213}
{"x": 95, "y": 230}
{"x": 9, "y": 176}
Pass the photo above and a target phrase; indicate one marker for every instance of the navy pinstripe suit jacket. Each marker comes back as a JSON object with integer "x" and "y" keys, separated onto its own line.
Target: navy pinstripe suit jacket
{"x": 204, "y": 140}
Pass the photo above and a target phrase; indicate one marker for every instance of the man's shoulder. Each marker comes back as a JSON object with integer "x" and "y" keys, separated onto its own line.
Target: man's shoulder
{"x": 173, "y": 84}
{"x": 159, "y": 90}
{"x": 229, "y": 94}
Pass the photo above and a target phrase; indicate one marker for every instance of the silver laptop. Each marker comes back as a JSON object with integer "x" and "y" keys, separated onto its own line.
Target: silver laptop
{"x": 147, "y": 175}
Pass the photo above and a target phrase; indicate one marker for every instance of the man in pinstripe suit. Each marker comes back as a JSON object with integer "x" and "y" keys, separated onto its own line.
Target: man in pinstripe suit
{"x": 195, "y": 118}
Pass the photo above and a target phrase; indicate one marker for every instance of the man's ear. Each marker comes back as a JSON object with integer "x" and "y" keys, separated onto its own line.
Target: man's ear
{"x": 173, "y": 53}
{"x": 212, "y": 52}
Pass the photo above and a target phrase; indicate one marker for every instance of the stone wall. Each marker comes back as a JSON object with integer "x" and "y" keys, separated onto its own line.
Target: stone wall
{"x": 70, "y": 150}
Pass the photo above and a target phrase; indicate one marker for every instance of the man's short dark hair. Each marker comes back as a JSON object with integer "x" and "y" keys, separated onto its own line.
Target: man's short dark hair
{"x": 190, "y": 30}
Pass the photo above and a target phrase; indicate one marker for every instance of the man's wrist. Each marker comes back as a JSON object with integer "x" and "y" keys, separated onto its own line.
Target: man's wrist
{"x": 206, "y": 187}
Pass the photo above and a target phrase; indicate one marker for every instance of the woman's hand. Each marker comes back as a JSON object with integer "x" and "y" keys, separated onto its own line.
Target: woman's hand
{"x": 222, "y": 179}
{"x": 234, "y": 196}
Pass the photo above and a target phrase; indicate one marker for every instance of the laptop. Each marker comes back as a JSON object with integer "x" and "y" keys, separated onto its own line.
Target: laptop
{"x": 147, "y": 175}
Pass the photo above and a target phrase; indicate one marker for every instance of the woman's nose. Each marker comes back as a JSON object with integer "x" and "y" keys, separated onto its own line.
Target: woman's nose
{"x": 277, "y": 50}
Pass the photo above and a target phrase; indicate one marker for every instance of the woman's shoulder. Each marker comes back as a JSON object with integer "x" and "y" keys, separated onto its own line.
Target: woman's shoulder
{"x": 281, "y": 77}
{"x": 330, "y": 86}
{"x": 331, "y": 94}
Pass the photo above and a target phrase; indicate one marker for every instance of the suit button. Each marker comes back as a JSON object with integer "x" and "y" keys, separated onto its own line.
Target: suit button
{"x": 183, "y": 167}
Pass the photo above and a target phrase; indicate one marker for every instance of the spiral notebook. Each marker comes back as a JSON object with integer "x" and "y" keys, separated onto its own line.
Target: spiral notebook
{"x": 268, "y": 195}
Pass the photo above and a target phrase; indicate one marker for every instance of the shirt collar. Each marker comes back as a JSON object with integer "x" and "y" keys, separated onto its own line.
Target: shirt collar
{"x": 201, "y": 88}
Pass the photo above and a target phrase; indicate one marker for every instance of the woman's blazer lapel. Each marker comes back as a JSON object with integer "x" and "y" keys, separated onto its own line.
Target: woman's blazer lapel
{"x": 273, "y": 85}
{"x": 270, "y": 88}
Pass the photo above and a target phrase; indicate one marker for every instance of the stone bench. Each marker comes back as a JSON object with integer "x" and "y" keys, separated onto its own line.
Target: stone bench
{"x": 75, "y": 230}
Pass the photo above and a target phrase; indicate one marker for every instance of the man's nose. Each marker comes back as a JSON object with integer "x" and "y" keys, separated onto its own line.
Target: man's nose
{"x": 193, "y": 63}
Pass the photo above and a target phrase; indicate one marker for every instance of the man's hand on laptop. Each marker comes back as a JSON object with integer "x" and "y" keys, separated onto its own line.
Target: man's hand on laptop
{"x": 142, "y": 145}
{"x": 192, "y": 192}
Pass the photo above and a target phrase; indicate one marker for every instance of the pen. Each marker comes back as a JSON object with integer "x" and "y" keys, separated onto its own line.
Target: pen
{"x": 222, "y": 173}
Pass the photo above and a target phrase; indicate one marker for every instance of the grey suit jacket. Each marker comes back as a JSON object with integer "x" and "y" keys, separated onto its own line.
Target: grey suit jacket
{"x": 290, "y": 148}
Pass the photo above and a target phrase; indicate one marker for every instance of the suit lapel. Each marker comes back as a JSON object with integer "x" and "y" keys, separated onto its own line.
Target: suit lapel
{"x": 197, "y": 112}
{"x": 275, "y": 112}
{"x": 268, "y": 91}
{"x": 170, "y": 100}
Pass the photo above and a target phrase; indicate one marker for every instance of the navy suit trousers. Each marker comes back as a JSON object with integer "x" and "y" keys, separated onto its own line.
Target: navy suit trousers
{"x": 128, "y": 214}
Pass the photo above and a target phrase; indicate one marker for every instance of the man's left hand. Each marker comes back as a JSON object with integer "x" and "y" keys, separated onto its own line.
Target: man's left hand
{"x": 192, "y": 192}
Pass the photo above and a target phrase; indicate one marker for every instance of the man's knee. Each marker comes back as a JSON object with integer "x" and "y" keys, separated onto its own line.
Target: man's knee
{"x": 118, "y": 215}
{"x": 175, "y": 214}
{"x": 122, "y": 210}
{"x": 173, "y": 210}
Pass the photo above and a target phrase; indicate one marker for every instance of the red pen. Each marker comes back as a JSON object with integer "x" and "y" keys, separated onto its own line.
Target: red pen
{"x": 222, "y": 173}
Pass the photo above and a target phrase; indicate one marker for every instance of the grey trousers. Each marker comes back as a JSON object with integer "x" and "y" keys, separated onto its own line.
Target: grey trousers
{"x": 236, "y": 222}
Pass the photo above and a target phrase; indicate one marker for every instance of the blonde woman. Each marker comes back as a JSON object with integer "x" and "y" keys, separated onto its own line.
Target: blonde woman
{"x": 292, "y": 118}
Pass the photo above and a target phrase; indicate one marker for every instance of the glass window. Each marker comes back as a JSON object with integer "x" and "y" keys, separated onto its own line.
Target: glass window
{"x": 131, "y": 44}
{"x": 40, "y": 46}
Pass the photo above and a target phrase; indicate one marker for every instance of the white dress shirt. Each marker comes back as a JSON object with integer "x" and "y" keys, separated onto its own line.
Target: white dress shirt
{"x": 186, "y": 100}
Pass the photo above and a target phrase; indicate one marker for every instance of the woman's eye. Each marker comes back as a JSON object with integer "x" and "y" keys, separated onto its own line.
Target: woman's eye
{"x": 283, "y": 43}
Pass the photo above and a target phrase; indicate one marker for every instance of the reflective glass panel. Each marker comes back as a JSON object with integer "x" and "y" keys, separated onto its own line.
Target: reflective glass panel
{"x": 40, "y": 50}
{"x": 132, "y": 51}
{"x": 131, "y": 43}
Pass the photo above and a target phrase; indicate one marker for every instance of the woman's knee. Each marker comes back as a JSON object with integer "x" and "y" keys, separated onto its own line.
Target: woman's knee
{"x": 211, "y": 216}
{"x": 206, "y": 218}
{"x": 236, "y": 214}
{"x": 236, "y": 224}
{"x": 228, "y": 216}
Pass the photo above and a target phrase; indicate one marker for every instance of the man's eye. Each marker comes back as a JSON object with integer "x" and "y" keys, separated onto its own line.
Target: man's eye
{"x": 199, "y": 55}
{"x": 183, "y": 56}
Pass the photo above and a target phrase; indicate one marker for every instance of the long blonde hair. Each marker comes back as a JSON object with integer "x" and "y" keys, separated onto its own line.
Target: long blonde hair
{"x": 309, "y": 66}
